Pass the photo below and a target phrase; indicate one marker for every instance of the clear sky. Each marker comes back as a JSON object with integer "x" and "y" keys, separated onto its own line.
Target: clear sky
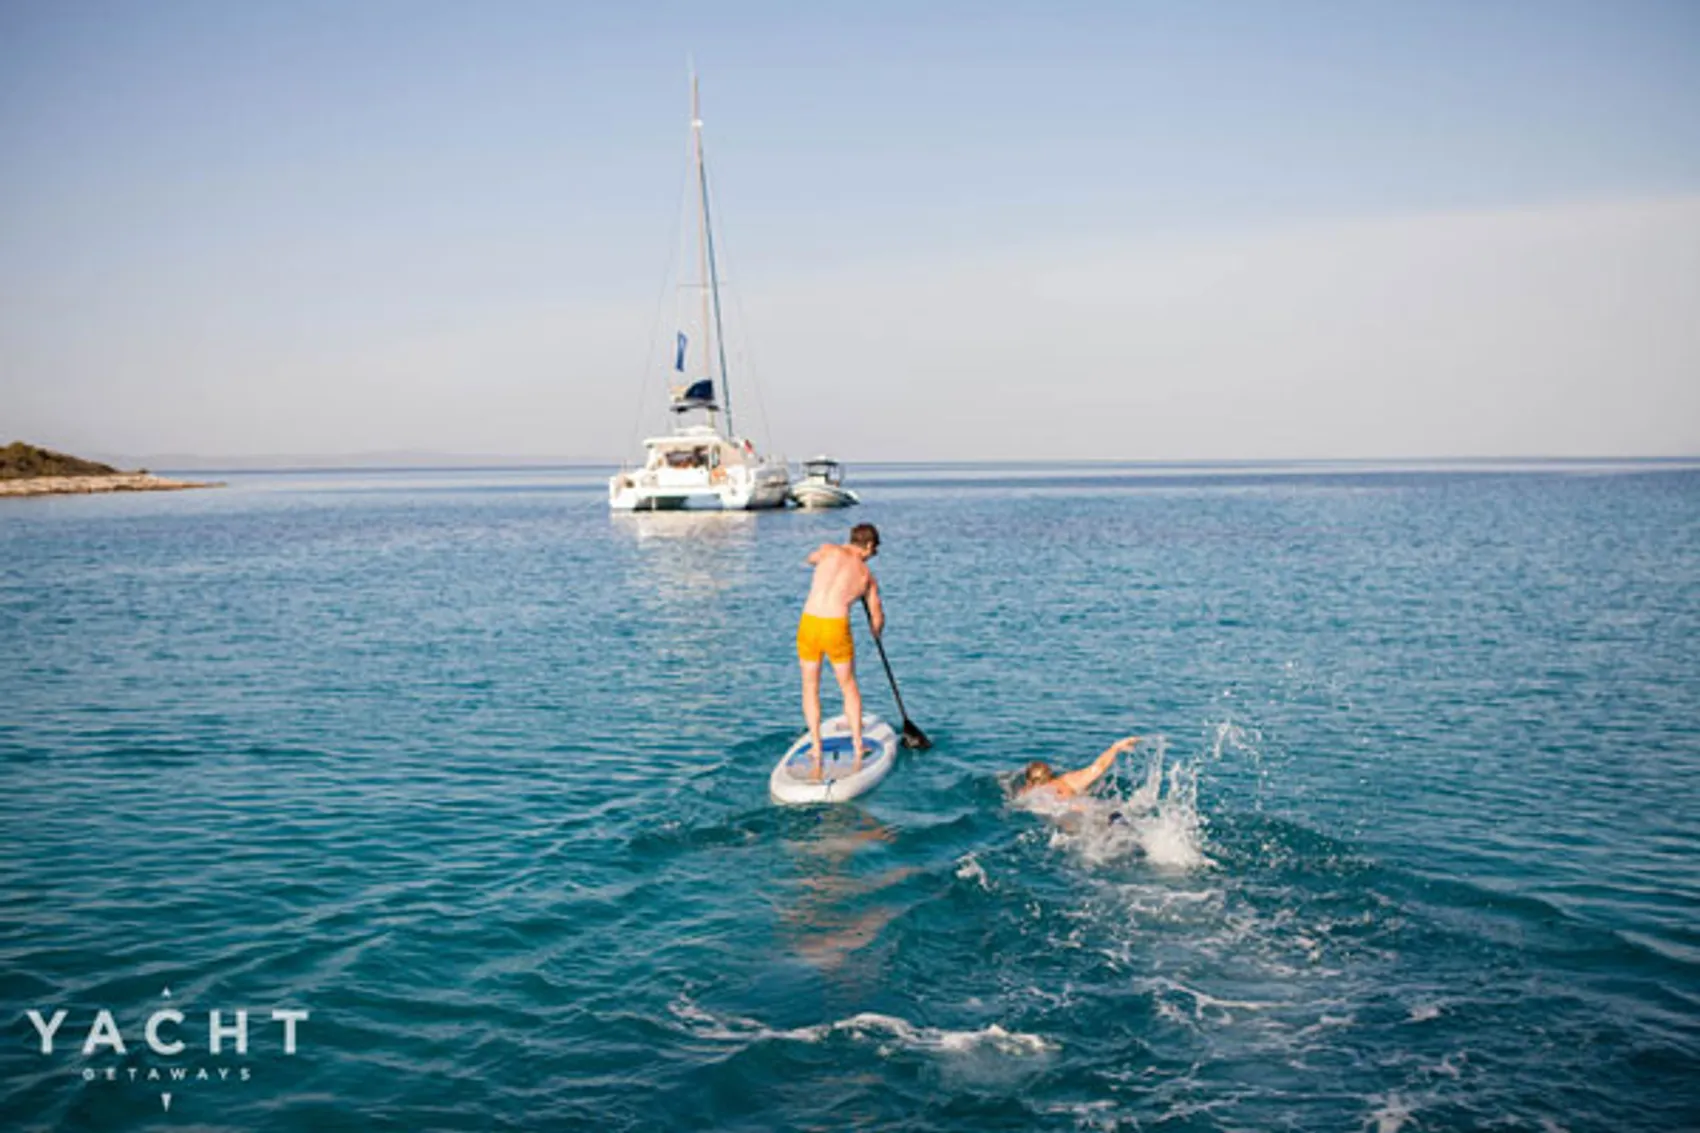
{"x": 950, "y": 230}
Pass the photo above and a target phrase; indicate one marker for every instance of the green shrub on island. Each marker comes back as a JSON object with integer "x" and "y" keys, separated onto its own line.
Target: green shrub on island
{"x": 19, "y": 461}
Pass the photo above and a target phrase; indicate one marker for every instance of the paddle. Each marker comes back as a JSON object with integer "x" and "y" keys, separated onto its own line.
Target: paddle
{"x": 912, "y": 735}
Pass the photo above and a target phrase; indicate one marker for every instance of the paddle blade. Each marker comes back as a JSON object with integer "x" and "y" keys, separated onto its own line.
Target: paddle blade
{"x": 913, "y": 737}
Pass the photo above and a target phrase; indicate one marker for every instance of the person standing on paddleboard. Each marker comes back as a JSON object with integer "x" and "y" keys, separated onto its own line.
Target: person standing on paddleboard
{"x": 841, "y": 577}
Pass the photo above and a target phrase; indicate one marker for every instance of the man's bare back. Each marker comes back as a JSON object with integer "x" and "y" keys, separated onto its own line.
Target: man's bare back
{"x": 841, "y": 577}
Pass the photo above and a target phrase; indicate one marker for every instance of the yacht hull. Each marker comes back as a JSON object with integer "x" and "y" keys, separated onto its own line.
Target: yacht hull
{"x": 761, "y": 489}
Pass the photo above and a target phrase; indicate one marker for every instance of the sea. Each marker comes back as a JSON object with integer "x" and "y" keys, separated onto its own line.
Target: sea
{"x": 436, "y": 799}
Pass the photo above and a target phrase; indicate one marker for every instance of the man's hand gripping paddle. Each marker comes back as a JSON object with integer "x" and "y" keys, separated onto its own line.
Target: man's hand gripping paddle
{"x": 912, "y": 735}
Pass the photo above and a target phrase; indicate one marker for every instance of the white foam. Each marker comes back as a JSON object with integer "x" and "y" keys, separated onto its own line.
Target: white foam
{"x": 970, "y": 869}
{"x": 1449, "y": 1068}
{"x": 1087, "y": 1115}
{"x": 1203, "y": 1002}
{"x": 706, "y": 1025}
{"x": 992, "y": 1037}
{"x": 1393, "y": 1113}
{"x": 866, "y": 1025}
{"x": 1326, "y": 1023}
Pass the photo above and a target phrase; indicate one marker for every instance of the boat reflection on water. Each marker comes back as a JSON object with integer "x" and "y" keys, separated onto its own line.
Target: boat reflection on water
{"x": 715, "y": 527}
{"x": 680, "y": 563}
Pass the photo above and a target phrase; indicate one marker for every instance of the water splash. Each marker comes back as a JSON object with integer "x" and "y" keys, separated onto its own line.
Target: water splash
{"x": 1156, "y": 818}
{"x": 1174, "y": 836}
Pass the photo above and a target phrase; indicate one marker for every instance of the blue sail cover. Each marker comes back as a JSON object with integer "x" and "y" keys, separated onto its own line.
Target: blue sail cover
{"x": 698, "y": 395}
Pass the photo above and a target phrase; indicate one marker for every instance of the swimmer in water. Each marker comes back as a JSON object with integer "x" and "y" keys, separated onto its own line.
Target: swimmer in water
{"x": 1040, "y": 780}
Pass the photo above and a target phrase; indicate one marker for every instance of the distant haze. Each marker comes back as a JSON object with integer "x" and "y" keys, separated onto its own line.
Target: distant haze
{"x": 1113, "y": 232}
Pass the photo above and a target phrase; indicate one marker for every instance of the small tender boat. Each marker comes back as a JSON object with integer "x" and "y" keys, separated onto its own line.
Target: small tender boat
{"x": 822, "y": 485}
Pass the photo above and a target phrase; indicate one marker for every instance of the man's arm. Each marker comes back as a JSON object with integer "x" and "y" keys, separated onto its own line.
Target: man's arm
{"x": 814, "y": 555}
{"x": 1076, "y": 782}
{"x": 876, "y": 612}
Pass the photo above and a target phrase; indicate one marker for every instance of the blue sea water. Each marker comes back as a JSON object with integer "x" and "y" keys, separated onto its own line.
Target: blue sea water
{"x": 473, "y": 774}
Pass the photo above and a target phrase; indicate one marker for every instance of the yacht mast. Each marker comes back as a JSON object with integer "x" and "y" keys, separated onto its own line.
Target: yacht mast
{"x": 711, "y": 293}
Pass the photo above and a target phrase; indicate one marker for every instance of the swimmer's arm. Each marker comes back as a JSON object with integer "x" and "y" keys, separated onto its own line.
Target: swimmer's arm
{"x": 814, "y": 555}
{"x": 1076, "y": 782}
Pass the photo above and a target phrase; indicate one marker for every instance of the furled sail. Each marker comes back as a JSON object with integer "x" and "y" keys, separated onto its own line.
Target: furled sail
{"x": 698, "y": 395}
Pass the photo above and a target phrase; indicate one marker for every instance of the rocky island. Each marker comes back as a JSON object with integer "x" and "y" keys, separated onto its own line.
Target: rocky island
{"x": 26, "y": 470}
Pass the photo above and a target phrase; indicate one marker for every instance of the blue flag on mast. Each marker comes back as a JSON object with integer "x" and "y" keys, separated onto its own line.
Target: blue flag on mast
{"x": 679, "y": 360}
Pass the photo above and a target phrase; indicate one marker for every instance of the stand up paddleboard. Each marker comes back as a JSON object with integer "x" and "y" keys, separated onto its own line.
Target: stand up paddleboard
{"x": 793, "y": 779}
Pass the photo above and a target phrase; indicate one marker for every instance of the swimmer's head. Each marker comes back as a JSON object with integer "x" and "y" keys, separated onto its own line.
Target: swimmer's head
{"x": 1037, "y": 775}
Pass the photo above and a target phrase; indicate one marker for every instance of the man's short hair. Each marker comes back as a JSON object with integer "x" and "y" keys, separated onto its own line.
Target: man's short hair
{"x": 1039, "y": 772}
{"x": 865, "y": 535}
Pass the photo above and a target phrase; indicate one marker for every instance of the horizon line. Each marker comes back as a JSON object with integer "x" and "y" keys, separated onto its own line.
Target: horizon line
{"x": 450, "y": 462}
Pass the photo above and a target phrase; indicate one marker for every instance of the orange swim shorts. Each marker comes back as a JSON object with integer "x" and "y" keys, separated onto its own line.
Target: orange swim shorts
{"x": 825, "y": 635}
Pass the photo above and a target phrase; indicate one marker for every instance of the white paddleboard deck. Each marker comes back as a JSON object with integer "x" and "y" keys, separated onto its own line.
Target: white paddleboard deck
{"x": 793, "y": 778}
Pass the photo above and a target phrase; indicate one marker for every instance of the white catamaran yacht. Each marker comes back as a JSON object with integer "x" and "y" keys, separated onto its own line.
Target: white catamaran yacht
{"x": 698, "y": 465}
